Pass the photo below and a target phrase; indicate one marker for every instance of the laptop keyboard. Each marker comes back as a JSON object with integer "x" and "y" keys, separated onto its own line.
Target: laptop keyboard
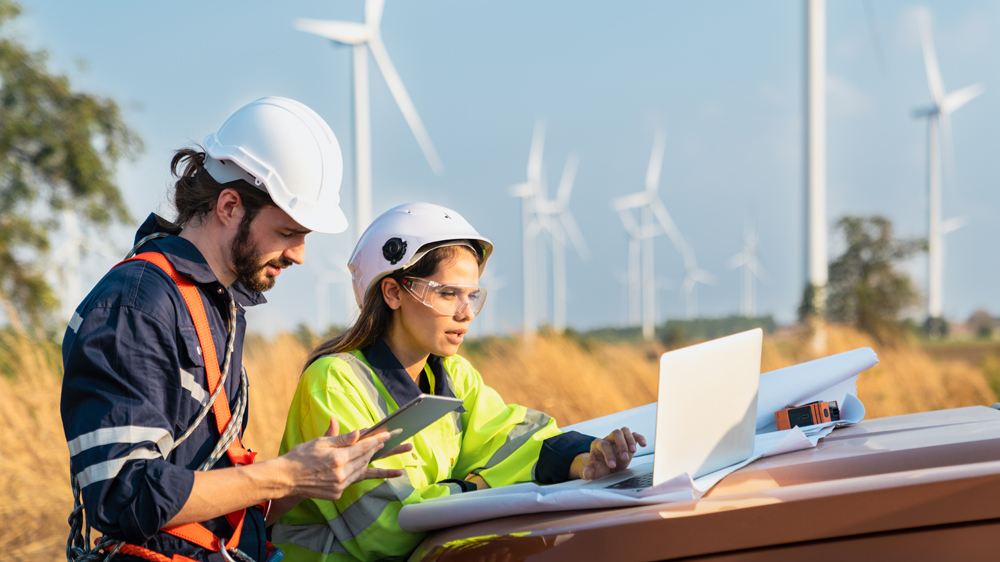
{"x": 639, "y": 482}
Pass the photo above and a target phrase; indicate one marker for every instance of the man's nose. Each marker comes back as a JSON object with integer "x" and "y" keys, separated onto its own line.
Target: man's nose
{"x": 297, "y": 253}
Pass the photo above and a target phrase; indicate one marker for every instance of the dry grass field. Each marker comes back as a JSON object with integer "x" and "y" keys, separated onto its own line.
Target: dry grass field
{"x": 569, "y": 379}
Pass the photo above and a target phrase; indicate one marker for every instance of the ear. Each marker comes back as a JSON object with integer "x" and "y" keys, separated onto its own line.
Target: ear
{"x": 229, "y": 208}
{"x": 392, "y": 293}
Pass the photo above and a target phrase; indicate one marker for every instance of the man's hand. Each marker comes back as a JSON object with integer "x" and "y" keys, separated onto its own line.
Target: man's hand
{"x": 607, "y": 456}
{"x": 324, "y": 467}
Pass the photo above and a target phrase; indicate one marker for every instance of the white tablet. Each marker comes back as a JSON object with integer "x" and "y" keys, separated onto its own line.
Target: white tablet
{"x": 412, "y": 418}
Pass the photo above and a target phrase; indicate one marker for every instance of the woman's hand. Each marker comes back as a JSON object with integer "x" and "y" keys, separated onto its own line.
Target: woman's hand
{"x": 607, "y": 456}
{"x": 478, "y": 480}
{"x": 324, "y": 467}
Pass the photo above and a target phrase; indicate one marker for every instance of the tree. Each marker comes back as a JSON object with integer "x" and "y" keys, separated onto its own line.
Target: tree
{"x": 865, "y": 289}
{"x": 982, "y": 323}
{"x": 58, "y": 150}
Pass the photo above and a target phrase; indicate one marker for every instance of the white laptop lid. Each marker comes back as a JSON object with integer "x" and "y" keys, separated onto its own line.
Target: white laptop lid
{"x": 707, "y": 406}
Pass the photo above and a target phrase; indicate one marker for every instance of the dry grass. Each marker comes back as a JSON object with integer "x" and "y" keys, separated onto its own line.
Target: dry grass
{"x": 567, "y": 379}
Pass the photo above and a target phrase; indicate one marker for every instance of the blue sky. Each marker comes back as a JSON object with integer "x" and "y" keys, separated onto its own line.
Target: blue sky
{"x": 722, "y": 78}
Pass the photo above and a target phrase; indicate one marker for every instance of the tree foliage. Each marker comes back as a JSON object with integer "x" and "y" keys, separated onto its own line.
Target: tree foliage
{"x": 58, "y": 150}
{"x": 865, "y": 288}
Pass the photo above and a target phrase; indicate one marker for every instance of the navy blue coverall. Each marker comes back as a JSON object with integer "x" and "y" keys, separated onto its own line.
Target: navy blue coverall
{"x": 134, "y": 380}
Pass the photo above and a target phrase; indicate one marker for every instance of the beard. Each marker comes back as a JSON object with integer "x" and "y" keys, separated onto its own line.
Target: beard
{"x": 250, "y": 268}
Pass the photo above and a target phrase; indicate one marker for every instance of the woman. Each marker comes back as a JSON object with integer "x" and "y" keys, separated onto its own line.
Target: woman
{"x": 415, "y": 273}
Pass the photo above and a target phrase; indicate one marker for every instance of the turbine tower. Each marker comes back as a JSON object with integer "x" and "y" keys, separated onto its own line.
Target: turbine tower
{"x": 528, "y": 191}
{"x": 650, "y": 209}
{"x": 363, "y": 37}
{"x": 555, "y": 218}
{"x": 746, "y": 260}
{"x": 816, "y": 267}
{"x": 938, "y": 117}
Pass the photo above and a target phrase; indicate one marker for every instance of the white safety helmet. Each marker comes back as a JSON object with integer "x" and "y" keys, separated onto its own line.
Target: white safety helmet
{"x": 283, "y": 147}
{"x": 399, "y": 237}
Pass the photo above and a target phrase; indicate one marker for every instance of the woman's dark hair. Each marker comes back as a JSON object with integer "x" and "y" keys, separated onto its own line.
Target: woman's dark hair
{"x": 196, "y": 192}
{"x": 376, "y": 316}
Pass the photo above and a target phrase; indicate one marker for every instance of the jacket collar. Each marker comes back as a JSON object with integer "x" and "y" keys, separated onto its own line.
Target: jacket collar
{"x": 397, "y": 381}
{"x": 187, "y": 259}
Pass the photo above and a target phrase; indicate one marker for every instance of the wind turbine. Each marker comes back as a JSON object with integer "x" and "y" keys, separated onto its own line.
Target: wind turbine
{"x": 362, "y": 37}
{"x": 528, "y": 192}
{"x": 650, "y": 208}
{"x": 938, "y": 116}
{"x": 750, "y": 268}
{"x": 67, "y": 258}
{"x": 326, "y": 277}
{"x": 555, "y": 218}
{"x": 486, "y": 321}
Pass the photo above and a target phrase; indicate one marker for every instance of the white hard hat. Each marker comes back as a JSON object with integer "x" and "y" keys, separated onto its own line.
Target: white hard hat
{"x": 281, "y": 146}
{"x": 399, "y": 237}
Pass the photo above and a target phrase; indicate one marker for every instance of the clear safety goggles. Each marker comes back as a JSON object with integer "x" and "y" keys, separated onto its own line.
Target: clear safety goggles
{"x": 448, "y": 300}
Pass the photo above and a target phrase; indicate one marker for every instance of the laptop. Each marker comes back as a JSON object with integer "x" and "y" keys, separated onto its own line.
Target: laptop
{"x": 706, "y": 412}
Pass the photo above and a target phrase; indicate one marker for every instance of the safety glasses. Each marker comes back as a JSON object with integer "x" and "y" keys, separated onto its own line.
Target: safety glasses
{"x": 447, "y": 300}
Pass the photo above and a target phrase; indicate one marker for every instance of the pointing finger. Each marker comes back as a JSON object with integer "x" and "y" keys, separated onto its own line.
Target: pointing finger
{"x": 377, "y": 473}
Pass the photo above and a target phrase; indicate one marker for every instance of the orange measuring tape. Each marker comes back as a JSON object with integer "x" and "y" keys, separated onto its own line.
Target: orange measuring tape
{"x": 196, "y": 533}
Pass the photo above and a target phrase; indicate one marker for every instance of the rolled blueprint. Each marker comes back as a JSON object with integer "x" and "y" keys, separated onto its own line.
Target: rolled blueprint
{"x": 829, "y": 378}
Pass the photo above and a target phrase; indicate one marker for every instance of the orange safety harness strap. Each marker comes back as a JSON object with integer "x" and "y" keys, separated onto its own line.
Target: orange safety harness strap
{"x": 195, "y": 532}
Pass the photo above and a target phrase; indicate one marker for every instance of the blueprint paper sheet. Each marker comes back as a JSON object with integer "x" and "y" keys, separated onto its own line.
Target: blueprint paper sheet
{"x": 529, "y": 497}
{"x": 830, "y": 378}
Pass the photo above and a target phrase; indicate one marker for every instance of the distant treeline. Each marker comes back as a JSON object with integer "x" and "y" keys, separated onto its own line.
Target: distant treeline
{"x": 679, "y": 332}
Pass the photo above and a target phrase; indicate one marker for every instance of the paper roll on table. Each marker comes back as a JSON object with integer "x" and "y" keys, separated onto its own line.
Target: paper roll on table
{"x": 829, "y": 378}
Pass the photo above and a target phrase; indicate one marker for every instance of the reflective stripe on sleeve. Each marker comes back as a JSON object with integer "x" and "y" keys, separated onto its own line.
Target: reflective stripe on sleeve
{"x": 317, "y": 538}
{"x": 364, "y": 511}
{"x": 127, "y": 434}
{"x": 365, "y": 376}
{"x": 534, "y": 421}
{"x": 109, "y": 469}
{"x": 192, "y": 386}
{"x": 75, "y": 321}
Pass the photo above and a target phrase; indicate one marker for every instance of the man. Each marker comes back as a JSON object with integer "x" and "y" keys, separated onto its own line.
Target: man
{"x": 153, "y": 355}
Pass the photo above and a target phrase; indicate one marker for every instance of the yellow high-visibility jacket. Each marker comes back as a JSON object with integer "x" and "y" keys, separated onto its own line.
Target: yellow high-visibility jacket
{"x": 499, "y": 442}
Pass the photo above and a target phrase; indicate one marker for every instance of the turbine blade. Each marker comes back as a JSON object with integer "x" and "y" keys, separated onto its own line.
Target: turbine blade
{"x": 629, "y": 222}
{"x": 373, "y": 12}
{"x": 759, "y": 271}
{"x": 535, "y": 156}
{"x": 934, "y": 82}
{"x": 566, "y": 182}
{"x": 703, "y": 277}
{"x": 346, "y": 32}
{"x": 961, "y": 97}
{"x": 630, "y": 201}
{"x": 737, "y": 260}
{"x": 954, "y": 223}
{"x": 656, "y": 162}
{"x": 575, "y": 236}
{"x": 405, "y": 104}
{"x": 670, "y": 227}
{"x": 522, "y": 190}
